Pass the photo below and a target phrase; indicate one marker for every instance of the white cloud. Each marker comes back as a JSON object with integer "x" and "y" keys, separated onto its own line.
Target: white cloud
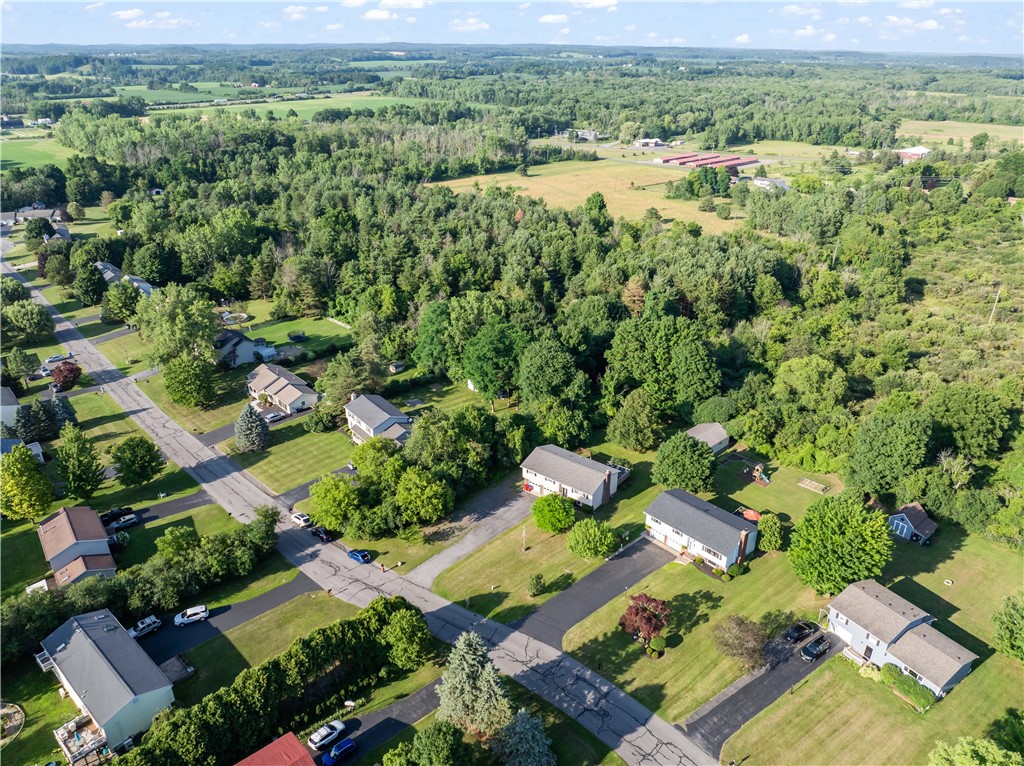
{"x": 295, "y": 12}
{"x": 376, "y": 14}
{"x": 594, "y": 3}
{"x": 678, "y": 41}
{"x": 564, "y": 31}
{"x": 741, "y": 39}
{"x": 270, "y": 24}
{"x": 407, "y": 5}
{"x": 133, "y": 13}
{"x": 553, "y": 18}
{"x": 353, "y": 3}
{"x": 523, "y": 6}
{"x": 602, "y": 38}
{"x": 927, "y": 24}
{"x": 410, "y": 19}
{"x": 164, "y": 22}
{"x": 802, "y": 10}
{"x": 140, "y": 24}
{"x": 652, "y": 35}
{"x": 807, "y": 31}
{"x": 332, "y": 27}
{"x": 899, "y": 21}
{"x": 321, "y": 9}
{"x": 94, "y": 6}
{"x": 960, "y": 22}
{"x": 630, "y": 27}
{"x": 853, "y": 2}
{"x": 468, "y": 25}
{"x": 963, "y": 39}
{"x": 916, "y": 5}
{"x": 830, "y": 37}
{"x": 864, "y": 20}
{"x": 162, "y": 14}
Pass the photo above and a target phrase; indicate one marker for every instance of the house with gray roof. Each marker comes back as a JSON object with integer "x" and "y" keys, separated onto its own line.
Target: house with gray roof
{"x": 683, "y": 522}
{"x": 235, "y": 348}
{"x": 551, "y": 470}
{"x": 8, "y": 405}
{"x": 110, "y": 272}
{"x": 370, "y": 415}
{"x": 712, "y": 434}
{"x": 114, "y": 683}
{"x": 882, "y": 628}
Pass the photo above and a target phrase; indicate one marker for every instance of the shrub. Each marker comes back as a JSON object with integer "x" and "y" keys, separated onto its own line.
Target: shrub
{"x": 735, "y": 570}
{"x": 698, "y": 560}
{"x": 870, "y": 671}
{"x": 726, "y": 577}
{"x": 553, "y": 513}
{"x": 769, "y": 533}
{"x": 919, "y": 696}
{"x": 889, "y": 674}
{"x": 717, "y": 571}
{"x": 658, "y": 644}
{"x": 536, "y": 585}
{"x": 590, "y": 539}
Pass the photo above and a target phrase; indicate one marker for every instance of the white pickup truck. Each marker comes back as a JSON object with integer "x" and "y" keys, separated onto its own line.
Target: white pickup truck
{"x": 144, "y": 626}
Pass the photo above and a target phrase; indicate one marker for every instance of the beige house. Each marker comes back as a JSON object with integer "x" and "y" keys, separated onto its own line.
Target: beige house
{"x": 281, "y": 388}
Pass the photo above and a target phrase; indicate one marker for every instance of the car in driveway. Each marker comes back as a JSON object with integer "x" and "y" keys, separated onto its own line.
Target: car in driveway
{"x": 800, "y": 631}
{"x": 114, "y": 514}
{"x": 340, "y": 752}
{"x": 190, "y": 615}
{"x": 124, "y": 522}
{"x": 301, "y": 520}
{"x": 321, "y": 534}
{"x": 363, "y": 557}
{"x": 55, "y": 387}
{"x": 273, "y": 417}
{"x": 815, "y": 649}
{"x": 55, "y": 358}
{"x": 146, "y": 625}
{"x": 44, "y": 371}
{"x": 325, "y": 735}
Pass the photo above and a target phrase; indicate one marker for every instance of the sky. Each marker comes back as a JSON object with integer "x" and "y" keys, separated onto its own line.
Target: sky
{"x": 917, "y": 26}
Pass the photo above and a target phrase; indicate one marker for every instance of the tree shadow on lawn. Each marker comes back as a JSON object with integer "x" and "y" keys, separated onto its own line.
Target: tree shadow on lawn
{"x": 142, "y": 542}
{"x": 938, "y": 607}
{"x": 486, "y": 603}
{"x": 910, "y": 559}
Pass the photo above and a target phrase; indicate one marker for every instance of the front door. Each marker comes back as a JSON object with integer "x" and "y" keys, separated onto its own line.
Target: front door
{"x": 899, "y": 528}
{"x": 867, "y": 652}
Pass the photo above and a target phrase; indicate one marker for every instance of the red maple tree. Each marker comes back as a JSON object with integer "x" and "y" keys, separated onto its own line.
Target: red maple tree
{"x": 66, "y": 374}
{"x": 645, "y": 615}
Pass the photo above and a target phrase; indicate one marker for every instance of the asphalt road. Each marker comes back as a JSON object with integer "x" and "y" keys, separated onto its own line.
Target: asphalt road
{"x": 169, "y": 640}
{"x": 553, "y": 619}
{"x": 712, "y": 725}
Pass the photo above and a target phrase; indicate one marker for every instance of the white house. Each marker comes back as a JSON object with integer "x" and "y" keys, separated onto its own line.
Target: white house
{"x": 882, "y": 628}
{"x": 551, "y": 470}
{"x": 281, "y": 388}
{"x": 767, "y": 184}
{"x": 139, "y": 284}
{"x": 6, "y": 445}
{"x": 712, "y": 434}
{"x": 647, "y": 143}
{"x": 911, "y": 522}
{"x": 237, "y": 348}
{"x": 75, "y": 543}
{"x": 913, "y": 153}
{"x": 8, "y": 405}
{"x": 115, "y": 684}
{"x": 681, "y": 521}
{"x": 370, "y": 415}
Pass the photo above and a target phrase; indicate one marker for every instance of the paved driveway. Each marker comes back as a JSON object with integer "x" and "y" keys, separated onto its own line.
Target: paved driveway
{"x": 718, "y": 720}
{"x": 550, "y": 622}
{"x": 374, "y": 729}
{"x": 169, "y": 640}
{"x": 223, "y": 433}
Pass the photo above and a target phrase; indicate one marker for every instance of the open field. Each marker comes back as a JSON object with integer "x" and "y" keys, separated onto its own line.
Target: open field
{"x": 219, "y": 660}
{"x": 294, "y": 457}
{"x": 629, "y": 188}
{"x": 807, "y": 732}
{"x": 305, "y": 108}
{"x": 33, "y": 153}
{"x": 940, "y": 131}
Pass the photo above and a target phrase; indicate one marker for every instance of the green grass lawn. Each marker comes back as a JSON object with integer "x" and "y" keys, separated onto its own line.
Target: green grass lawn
{"x": 33, "y": 153}
{"x": 127, "y": 353}
{"x": 67, "y": 304}
{"x": 229, "y": 398}
{"x": 97, "y": 328}
{"x": 37, "y": 693}
{"x": 503, "y": 563}
{"x": 219, "y": 660}
{"x": 294, "y": 457}
{"x": 693, "y": 670}
{"x": 205, "y": 520}
{"x": 306, "y": 108}
{"x": 320, "y": 333}
{"x": 21, "y": 559}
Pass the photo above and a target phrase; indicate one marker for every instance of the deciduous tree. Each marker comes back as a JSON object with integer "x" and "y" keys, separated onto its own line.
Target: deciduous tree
{"x": 29, "y": 321}
{"x": 554, "y": 392}
{"x": 187, "y": 379}
{"x": 409, "y": 640}
{"x": 590, "y": 539}
{"x": 120, "y": 300}
{"x": 441, "y": 744}
{"x": 887, "y": 449}
{"x": 18, "y": 363}
{"x": 553, "y": 513}
{"x": 89, "y": 285}
{"x": 66, "y": 374}
{"x": 175, "y": 321}
{"x": 684, "y": 462}
{"x": 645, "y": 615}
{"x": 972, "y": 751}
{"x": 1009, "y": 622}
{"x": 335, "y": 501}
{"x": 25, "y": 492}
{"x": 769, "y": 532}
{"x": 422, "y": 498}
{"x": 969, "y": 417}
{"x": 78, "y": 463}
{"x": 636, "y": 425}
{"x": 137, "y": 460}
{"x": 491, "y": 358}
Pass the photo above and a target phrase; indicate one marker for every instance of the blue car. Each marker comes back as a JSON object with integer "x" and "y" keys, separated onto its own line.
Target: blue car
{"x": 340, "y": 752}
{"x": 363, "y": 557}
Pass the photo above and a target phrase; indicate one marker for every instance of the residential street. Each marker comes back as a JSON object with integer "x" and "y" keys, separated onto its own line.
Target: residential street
{"x": 719, "y": 719}
{"x": 625, "y": 725}
{"x": 552, "y": 620}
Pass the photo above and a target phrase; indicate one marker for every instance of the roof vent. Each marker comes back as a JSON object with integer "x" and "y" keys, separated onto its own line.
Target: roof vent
{"x": 108, "y": 628}
{"x": 60, "y": 648}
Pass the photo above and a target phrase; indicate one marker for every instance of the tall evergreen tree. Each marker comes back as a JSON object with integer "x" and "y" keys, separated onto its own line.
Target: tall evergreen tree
{"x": 78, "y": 463}
{"x": 63, "y": 412}
{"x": 45, "y": 420}
{"x": 524, "y": 743}
{"x": 252, "y": 434}
{"x": 636, "y": 425}
{"x": 493, "y": 708}
{"x": 458, "y": 691}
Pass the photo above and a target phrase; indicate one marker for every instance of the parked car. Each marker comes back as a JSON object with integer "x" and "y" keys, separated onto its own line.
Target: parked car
{"x": 55, "y": 358}
{"x": 340, "y": 752}
{"x": 325, "y": 735}
{"x": 146, "y": 625}
{"x": 114, "y": 514}
{"x": 301, "y": 520}
{"x": 800, "y": 631}
{"x": 124, "y": 522}
{"x": 192, "y": 614}
{"x": 815, "y": 649}
{"x": 363, "y": 557}
{"x": 321, "y": 534}
{"x": 273, "y": 417}
{"x": 44, "y": 370}
{"x": 55, "y": 387}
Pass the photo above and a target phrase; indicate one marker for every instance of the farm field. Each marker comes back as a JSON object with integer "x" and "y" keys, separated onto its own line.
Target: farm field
{"x": 940, "y": 130}
{"x": 629, "y": 189}
{"x": 798, "y": 729}
{"x": 33, "y": 153}
{"x": 304, "y": 108}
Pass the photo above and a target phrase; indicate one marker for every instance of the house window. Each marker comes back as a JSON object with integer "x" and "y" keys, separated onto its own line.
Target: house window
{"x": 913, "y": 674}
{"x": 712, "y": 552}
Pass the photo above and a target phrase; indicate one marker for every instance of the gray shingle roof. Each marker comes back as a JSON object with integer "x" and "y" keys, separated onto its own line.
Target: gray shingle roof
{"x": 877, "y": 609}
{"x": 709, "y": 433}
{"x": 103, "y": 664}
{"x": 567, "y": 468}
{"x": 7, "y": 397}
{"x": 699, "y": 519}
{"x": 931, "y": 654}
{"x": 374, "y": 410}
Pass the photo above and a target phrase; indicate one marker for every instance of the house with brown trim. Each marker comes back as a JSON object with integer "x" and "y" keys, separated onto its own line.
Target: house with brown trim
{"x": 74, "y": 541}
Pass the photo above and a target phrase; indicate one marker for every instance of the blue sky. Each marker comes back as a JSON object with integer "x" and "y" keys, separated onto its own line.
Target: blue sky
{"x": 927, "y": 26}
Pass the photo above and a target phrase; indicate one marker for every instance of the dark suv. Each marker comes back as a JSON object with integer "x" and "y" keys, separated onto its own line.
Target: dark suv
{"x": 815, "y": 649}
{"x": 114, "y": 514}
{"x": 800, "y": 631}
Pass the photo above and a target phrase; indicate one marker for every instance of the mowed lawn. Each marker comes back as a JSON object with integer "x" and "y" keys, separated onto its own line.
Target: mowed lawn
{"x": 45, "y": 710}
{"x": 294, "y": 457}
{"x": 942, "y": 130}
{"x": 495, "y": 577}
{"x": 229, "y": 392}
{"x": 205, "y": 520}
{"x": 629, "y": 189}
{"x": 127, "y": 353}
{"x": 21, "y": 561}
{"x": 219, "y": 660}
{"x": 33, "y": 153}
{"x": 305, "y": 108}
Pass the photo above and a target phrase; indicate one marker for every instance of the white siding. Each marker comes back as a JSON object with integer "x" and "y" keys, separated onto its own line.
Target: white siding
{"x": 542, "y": 485}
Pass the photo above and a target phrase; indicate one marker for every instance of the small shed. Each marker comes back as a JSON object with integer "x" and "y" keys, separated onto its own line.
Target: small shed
{"x": 712, "y": 434}
{"x": 911, "y": 523}
{"x": 396, "y": 367}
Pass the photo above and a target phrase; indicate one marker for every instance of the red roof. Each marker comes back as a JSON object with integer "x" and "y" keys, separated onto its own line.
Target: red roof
{"x": 283, "y": 751}
{"x": 712, "y": 160}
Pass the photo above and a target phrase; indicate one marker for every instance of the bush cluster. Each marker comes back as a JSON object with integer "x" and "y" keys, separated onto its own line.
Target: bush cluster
{"x": 919, "y": 696}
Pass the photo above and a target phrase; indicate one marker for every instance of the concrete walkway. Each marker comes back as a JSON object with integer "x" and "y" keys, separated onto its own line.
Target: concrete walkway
{"x": 552, "y": 620}
{"x": 636, "y": 734}
{"x": 489, "y": 513}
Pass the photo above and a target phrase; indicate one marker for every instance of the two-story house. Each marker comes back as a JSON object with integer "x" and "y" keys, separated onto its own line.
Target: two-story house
{"x": 8, "y": 406}
{"x": 281, "y": 388}
{"x": 236, "y": 348}
{"x": 882, "y": 628}
{"x": 114, "y": 683}
{"x": 75, "y": 543}
{"x": 370, "y": 415}
{"x": 551, "y": 470}
{"x": 681, "y": 521}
